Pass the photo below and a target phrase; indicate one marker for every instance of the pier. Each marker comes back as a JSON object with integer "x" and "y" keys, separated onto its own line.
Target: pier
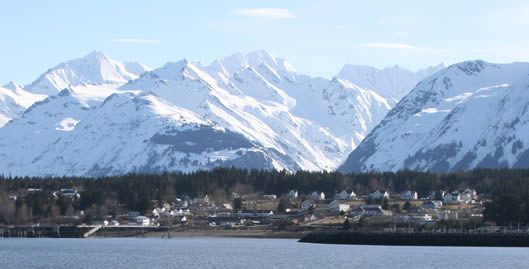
{"x": 84, "y": 231}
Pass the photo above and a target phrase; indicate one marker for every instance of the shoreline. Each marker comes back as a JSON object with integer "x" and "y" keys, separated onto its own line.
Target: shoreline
{"x": 224, "y": 234}
{"x": 140, "y": 232}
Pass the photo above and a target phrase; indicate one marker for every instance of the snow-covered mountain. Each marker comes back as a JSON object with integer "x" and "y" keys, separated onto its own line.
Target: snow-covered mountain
{"x": 392, "y": 83}
{"x": 355, "y": 108}
{"x": 14, "y": 100}
{"x": 237, "y": 62}
{"x": 469, "y": 115}
{"x": 90, "y": 79}
{"x": 126, "y": 133}
{"x": 248, "y": 104}
{"x": 94, "y": 68}
{"x": 252, "y": 110}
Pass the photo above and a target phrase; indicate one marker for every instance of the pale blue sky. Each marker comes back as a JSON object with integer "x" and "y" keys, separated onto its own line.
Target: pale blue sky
{"x": 317, "y": 37}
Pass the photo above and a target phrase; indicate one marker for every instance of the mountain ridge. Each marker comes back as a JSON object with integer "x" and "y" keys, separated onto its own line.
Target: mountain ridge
{"x": 93, "y": 68}
{"x": 248, "y": 110}
{"x": 469, "y": 115}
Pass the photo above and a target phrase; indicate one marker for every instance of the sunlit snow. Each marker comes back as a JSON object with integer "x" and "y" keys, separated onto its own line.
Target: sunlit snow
{"x": 67, "y": 124}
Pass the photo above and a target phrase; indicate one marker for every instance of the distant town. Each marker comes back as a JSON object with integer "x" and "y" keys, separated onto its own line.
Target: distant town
{"x": 243, "y": 207}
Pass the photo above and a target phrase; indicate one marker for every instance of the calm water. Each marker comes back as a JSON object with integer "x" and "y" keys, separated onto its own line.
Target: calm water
{"x": 243, "y": 253}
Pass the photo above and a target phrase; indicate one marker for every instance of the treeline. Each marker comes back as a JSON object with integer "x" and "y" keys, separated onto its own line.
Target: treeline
{"x": 138, "y": 191}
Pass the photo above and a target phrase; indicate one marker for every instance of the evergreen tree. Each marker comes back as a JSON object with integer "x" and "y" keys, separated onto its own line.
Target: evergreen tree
{"x": 385, "y": 204}
{"x": 237, "y": 203}
{"x": 346, "y": 224}
{"x": 282, "y": 206}
{"x": 407, "y": 206}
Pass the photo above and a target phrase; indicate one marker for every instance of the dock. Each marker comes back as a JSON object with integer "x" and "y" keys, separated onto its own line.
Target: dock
{"x": 82, "y": 231}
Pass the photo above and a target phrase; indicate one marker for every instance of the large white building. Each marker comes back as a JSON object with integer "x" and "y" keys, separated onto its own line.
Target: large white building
{"x": 468, "y": 196}
{"x": 142, "y": 221}
{"x": 408, "y": 195}
{"x": 293, "y": 194}
{"x": 371, "y": 210}
{"x": 344, "y": 195}
{"x": 337, "y": 206}
{"x": 378, "y": 195}
{"x": 452, "y": 198}
{"x": 317, "y": 196}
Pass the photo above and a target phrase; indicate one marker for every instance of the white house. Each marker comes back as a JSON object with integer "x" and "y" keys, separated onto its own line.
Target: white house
{"x": 158, "y": 211}
{"x": 344, "y": 195}
{"x": 377, "y": 195}
{"x": 201, "y": 200}
{"x": 318, "y": 196}
{"x": 68, "y": 193}
{"x": 176, "y": 212}
{"x": 468, "y": 196}
{"x": 370, "y": 210}
{"x": 474, "y": 194}
{"x": 142, "y": 221}
{"x": 337, "y": 206}
{"x": 180, "y": 203}
{"x": 452, "y": 198}
{"x": 433, "y": 195}
{"x": 307, "y": 205}
{"x": 270, "y": 196}
{"x": 408, "y": 195}
{"x": 180, "y": 212}
{"x": 293, "y": 194}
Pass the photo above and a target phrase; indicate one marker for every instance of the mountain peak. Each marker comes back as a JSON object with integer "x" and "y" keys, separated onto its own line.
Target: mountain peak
{"x": 174, "y": 67}
{"x": 97, "y": 54}
{"x": 471, "y": 67}
{"x": 93, "y": 68}
{"x": 262, "y": 56}
{"x": 12, "y": 86}
{"x": 239, "y": 61}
